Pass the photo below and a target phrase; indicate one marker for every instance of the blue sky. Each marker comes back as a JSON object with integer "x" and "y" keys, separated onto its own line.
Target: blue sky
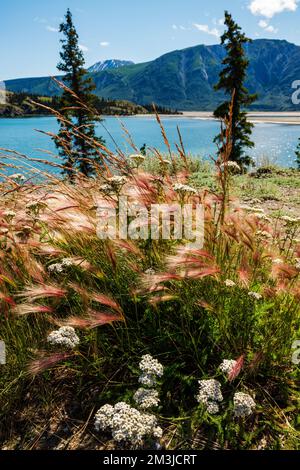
{"x": 132, "y": 29}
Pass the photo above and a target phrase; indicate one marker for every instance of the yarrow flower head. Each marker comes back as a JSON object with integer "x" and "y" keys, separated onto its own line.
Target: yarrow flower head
{"x": 18, "y": 177}
{"x": 55, "y": 268}
{"x": 232, "y": 166}
{"x": 138, "y": 159}
{"x": 67, "y": 262}
{"x": 210, "y": 395}
{"x": 256, "y": 210}
{"x": 244, "y": 405}
{"x": 229, "y": 283}
{"x": 184, "y": 189}
{"x": 263, "y": 234}
{"x": 277, "y": 261}
{"x": 255, "y": 295}
{"x": 117, "y": 181}
{"x": 264, "y": 217}
{"x": 146, "y": 398}
{"x": 35, "y": 206}
{"x": 60, "y": 267}
{"x": 227, "y": 365}
{"x": 150, "y": 272}
{"x": 114, "y": 184}
{"x": 65, "y": 337}
{"x": 151, "y": 369}
{"x": 290, "y": 220}
{"x": 9, "y": 214}
{"x": 126, "y": 423}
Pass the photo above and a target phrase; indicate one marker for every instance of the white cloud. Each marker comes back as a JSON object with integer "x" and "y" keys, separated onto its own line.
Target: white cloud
{"x": 271, "y": 29}
{"x": 267, "y": 27}
{"x": 104, "y": 44}
{"x": 176, "y": 27}
{"x": 83, "y": 48}
{"x": 263, "y": 24}
{"x": 52, "y": 29}
{"x": 218, "y": 22}
{"x": 40, "y": 20}
{"x": 269, "y": 8}
{"x": 204, "y": 28}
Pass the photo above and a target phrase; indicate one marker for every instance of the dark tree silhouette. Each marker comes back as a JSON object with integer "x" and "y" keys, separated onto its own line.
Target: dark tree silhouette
{"x": 231, "y": 80}
{"x": 77, "y": 107}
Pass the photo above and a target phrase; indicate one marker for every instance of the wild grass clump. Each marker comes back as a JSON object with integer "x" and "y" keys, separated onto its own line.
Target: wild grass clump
{"x": 227, "y": 313}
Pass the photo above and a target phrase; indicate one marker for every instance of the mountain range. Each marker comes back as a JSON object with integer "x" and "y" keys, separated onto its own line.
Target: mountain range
{"x": 185, "y": 79}
{"x": 109, "y": 65}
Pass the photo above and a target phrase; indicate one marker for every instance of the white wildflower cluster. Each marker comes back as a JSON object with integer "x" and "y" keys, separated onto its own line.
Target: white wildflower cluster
{"x": 256, "y": 210}
{"x": 290, "y": 220}
{"x": 114, "y": 184}
{"x": 126, "y": 423}
{"x": 18, "y": 177}
{"x": 9, "y": 214}
{"x": 263, "y": 234}
{"x": 130, "y": 424}
{"x": 263, "y": 217}
{"x": 106, "y": 188}
{"x": 229, "y": 283}
{"x": 254, "y": 201}
{"x": 167, "y": 162}
{"x": 151, "y": 369}
{"x": 232, "y": 166}
{"x": 137, "y": 158}
{"x": 146, "y": 398}
{"x": 227, "y": 365}
{"x": 150, "y": 272}
{"x": 184, "y": 189}
{"x": 244, "y": 405}
{"x": 67, "y": 262}
{"x": 277, "y": 261}
{"x": 255, "y": 295}
{"x": 117, "y": 181}
{"x": 55, "y": 268}
{"x": 35, "y": 206}
{"x": 65, "y": 337}
{"x": 60, "y": 267}
{"x": 210, "y": 395}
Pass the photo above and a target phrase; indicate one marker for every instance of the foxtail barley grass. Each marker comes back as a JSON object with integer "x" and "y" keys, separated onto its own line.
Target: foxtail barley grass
{"x": 188, "y": 307}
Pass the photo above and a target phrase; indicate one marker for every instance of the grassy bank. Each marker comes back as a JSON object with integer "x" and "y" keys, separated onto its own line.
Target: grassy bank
{"x": 237, "y": 299}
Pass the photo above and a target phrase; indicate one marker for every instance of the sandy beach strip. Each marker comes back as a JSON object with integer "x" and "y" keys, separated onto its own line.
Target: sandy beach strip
{"x": 288, "y": 117}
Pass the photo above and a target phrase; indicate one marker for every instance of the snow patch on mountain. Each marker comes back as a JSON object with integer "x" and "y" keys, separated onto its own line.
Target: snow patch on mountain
{"x": 108, "y": 65}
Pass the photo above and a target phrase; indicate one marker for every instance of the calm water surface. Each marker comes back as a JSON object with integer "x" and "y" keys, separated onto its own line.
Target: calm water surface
{"x": 275, "y": 141}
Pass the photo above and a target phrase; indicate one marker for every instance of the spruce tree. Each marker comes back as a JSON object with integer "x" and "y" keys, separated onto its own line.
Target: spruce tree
{"x": 76, "y": 148}
{"x": 231, "y": 81}
{"x": 298, "y": 155}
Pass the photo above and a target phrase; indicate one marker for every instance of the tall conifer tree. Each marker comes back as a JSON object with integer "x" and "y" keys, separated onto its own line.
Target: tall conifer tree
{"x": 298, "y": 155}
{"x": 76, "y": 148}
{"x": 231, "y": 80}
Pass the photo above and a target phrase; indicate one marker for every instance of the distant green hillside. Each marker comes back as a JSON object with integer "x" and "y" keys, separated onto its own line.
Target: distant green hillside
{"x": 184, "y": 79}
{"x": 25, "y": 104}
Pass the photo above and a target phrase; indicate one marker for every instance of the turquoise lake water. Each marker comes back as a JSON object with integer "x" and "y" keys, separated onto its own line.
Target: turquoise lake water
{"x": 275, "y": 141}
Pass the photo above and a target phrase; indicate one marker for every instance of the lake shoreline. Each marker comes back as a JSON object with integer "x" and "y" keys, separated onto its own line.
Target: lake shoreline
{"x": 291, "y": 118}
{"x": 266, "y": 117}
{"x": 275, "y": 143}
